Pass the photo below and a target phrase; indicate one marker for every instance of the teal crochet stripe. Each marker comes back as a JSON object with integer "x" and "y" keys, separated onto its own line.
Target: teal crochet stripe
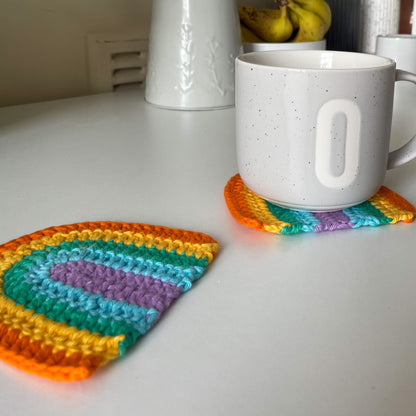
{"x": 300, "y": 221}
{"x": 33, "y": 288}
{"x": 76, "y": 307}
{"x": 131, "y": 251}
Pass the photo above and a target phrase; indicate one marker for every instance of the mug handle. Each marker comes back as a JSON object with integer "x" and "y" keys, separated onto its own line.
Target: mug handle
{"x": 408, "y": 151}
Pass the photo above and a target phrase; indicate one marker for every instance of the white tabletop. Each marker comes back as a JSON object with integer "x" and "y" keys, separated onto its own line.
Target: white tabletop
{"x": 309, "y": 324}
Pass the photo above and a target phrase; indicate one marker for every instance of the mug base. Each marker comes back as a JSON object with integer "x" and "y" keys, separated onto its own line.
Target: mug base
{"x": 312, "y": 208}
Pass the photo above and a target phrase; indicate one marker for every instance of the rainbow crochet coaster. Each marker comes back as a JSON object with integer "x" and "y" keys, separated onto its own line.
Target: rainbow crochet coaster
{"x": 386, "y": 207}
{"x": 74, "y": 297}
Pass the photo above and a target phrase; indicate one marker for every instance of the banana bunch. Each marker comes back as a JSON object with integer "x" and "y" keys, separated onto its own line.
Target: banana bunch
{"x": 291, "y": 21}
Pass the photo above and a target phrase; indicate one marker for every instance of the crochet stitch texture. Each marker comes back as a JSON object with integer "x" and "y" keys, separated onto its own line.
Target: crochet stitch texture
{"x": 247, "y": 208}
{"x": 74, "y": 297}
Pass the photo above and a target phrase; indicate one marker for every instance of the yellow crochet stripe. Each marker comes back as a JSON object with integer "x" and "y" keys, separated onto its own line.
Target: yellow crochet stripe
{"x": 199, "y": 250}
{"x": 59, "y": 335}
{"x": 259, "y": 208}
{"x": 390, "y": 211}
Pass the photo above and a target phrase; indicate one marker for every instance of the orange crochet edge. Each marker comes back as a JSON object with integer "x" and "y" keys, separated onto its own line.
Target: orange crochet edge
{"x": 235, "y": 197}
{"x": 397, "y": 200}
{"x": 55, "y": 373}
{"x": 41, "y": 360}
{"x": 159, "y": 231}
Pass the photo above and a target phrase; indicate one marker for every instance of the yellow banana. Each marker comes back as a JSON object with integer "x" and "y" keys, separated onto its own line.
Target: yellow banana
{"x": 311, "y": 26}
{"x": 319, "y": 7}
{"x": 248, "y": 36}
{"x": 294, "y": 19}
{"x": 272, "y": 25}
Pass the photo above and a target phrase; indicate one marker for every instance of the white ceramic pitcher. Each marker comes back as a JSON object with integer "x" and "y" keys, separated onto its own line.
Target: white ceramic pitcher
{"x": 192, "y": 48}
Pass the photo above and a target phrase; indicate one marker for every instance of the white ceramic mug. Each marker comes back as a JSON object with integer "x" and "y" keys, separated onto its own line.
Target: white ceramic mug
{"x": 402, "y": 49}
{"x": 313, "y": 127}
{"x": 192, "y": 47}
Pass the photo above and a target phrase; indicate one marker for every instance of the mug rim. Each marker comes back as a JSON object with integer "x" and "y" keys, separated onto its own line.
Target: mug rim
{"x": 249, "y": 59}
{"x": 397, "y": 36}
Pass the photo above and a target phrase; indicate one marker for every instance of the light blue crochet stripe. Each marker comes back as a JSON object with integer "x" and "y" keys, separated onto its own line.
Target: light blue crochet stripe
{"x": 365, "y": 214}
{"x": 37, "y": 276}
{"x": 177, "y": 275}
{"x": 307, "y": 219}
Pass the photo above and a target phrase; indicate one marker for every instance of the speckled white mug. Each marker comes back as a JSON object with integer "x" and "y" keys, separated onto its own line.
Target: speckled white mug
{"x": 313, "y": 127}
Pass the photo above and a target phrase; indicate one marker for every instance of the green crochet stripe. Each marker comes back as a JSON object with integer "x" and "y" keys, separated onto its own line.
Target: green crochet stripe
{"x": 131, "y": 250}
{"x": 59, "y": 310}
{"x": 285, "y": 215}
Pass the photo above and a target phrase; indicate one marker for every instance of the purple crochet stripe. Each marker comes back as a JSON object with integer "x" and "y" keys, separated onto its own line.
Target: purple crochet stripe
{"x": 116, "y": 284}
{"x": 330, "y": 221}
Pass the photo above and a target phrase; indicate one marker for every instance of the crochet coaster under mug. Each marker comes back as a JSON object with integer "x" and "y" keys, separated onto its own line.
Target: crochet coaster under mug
{"x": 74, "y": 297}
{"x": 386, "y": 207}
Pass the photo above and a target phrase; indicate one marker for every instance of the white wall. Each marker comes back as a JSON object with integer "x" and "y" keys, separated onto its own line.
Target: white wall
{"x": 42, "y": 43}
